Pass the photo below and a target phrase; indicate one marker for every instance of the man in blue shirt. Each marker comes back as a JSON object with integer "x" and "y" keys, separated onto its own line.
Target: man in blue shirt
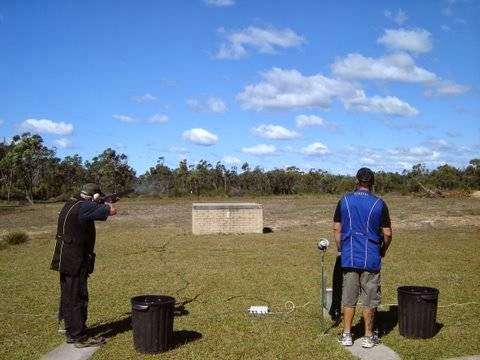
{"x": 363, "y": 233}
{"x": 74, "y": 259}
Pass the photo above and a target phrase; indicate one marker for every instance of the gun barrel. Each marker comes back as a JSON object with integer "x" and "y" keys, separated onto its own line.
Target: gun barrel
{"x": 112, "y": 198}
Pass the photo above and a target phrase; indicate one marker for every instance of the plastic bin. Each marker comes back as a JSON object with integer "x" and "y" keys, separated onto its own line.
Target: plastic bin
{"x": 417, "y": 311}
{"x": 152, "y": 322}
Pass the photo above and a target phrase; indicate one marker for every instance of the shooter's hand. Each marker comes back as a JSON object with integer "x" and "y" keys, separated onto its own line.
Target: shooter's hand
{"x": 113, "y": 211}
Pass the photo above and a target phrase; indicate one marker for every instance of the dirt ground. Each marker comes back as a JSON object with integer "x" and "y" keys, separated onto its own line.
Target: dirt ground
{"x": 281, "y": 213}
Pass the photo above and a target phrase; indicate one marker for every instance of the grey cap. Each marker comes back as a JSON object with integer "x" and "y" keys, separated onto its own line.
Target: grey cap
{"x": 91, "y": 189}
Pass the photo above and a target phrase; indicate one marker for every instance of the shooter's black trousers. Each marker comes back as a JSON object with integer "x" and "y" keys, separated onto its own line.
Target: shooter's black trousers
{"x": 74, "y": 304}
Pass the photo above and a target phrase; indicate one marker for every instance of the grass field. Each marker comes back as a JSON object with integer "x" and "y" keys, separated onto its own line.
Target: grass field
{"x": 148, "y": 248}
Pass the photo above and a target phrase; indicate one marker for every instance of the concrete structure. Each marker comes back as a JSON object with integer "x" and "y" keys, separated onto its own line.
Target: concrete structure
{"x": 70, "y": 352}
{"x": 227, "y": 218}
{"x": 379, "y": 352}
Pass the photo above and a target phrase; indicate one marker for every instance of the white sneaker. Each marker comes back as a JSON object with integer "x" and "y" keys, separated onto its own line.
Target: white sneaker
{"x": 61, "y": 327}
{"x": 345, "y": 339}
{"x": 370, "y": 341}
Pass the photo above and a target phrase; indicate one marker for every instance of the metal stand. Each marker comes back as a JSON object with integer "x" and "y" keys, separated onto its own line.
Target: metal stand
{"x": 322, "y": 281}
{"x": 322, "y": 246}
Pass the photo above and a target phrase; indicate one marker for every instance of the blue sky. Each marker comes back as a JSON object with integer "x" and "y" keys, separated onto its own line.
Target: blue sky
{"x": 315, "y": 84}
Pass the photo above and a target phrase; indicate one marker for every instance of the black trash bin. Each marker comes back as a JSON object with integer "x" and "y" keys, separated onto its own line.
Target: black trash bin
{"x": 417, "y": 311}
{"x": 152, "y": 322}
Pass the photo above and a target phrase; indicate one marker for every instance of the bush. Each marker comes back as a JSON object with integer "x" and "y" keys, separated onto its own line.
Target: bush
{"x": 3, "y": 244}
{"x": 15, "y": 238}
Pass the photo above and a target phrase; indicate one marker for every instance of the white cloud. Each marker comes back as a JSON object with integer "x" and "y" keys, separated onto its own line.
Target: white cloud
{"x": 194, "y": 105}
{"x": 123, "y": 118}
{"x": 315, "y": 149}
{"x": 416, "y": 41}
{"x": 447, "y": 88}
{"x": 144, "y": 98}
{"x": 447, "y": 11}
{"x": 158, "y": 119}
{"x": 414, "y": 154}
{"x": 276, "y": 132}
{"x": 396, "y": 159}
{"x": 219, "y": 3}
{"x": 216, "y": 105}
{"x": 200, "y": 136}
{"x": 445, "y": 27}
{"x": 309, "y": 120}
{"x": 438, "y": 144}
{"x": 47, "y": 126}
{"x": 2, "y": 122}
{"x": 368, "y": 160}
{"x": 63, "y": 143}
{"x": 180, "y": 150}
{"x": 287, "y": 89}
{"x": 267, "y": 41}
{"x": 432, "y": 152}
{"x": 303, "y": 121}
{"x": 394, "y": 67}
{"x": 399, "y": 17}
{"x": 212, "y": 104}
{"x": 231, "y": 160}
{"x": 260, "y": 149}
{"x": 390, "y": 105}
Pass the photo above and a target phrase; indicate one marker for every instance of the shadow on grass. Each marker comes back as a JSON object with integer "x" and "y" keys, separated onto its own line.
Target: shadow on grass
{"x": 438, "y": 327}
{"x": 267, "y": 230}
{"x": 182, "y": 337}
{"x": 112, "y": 328}
{"x": 124, "y": 324}
{"x": 180, "y": 310}
{"x": 385, "y": 322}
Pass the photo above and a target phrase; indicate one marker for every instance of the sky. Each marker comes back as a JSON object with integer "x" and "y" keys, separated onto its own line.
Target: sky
{"x": 314, "y": 84}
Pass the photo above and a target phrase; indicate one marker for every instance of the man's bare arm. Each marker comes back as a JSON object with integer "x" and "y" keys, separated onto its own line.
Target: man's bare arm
{"x": 387, "y": 239}
{"x": 337, "y": 234}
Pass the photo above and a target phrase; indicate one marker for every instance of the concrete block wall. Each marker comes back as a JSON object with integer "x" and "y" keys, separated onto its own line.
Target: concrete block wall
{"x": 227, "y": 218}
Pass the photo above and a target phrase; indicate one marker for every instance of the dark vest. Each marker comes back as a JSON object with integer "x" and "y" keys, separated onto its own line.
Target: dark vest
{"x": 75, "y": 240}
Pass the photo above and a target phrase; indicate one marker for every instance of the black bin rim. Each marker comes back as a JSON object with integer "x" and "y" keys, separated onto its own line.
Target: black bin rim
{"x": 417, "y": 290}
{"x": 153, "y": 300}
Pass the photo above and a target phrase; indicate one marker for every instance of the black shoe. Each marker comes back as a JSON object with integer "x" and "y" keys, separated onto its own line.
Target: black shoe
{"x": 90, "y": 342}
{"x": 71, "y": 340}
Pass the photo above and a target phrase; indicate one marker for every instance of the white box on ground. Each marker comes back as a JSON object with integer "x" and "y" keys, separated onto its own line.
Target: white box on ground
{"x": 258, "y": 310}
{"x": 227, "y": 218}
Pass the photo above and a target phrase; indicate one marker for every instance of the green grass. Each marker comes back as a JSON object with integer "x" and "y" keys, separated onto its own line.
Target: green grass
{"x": 148, "y": 248}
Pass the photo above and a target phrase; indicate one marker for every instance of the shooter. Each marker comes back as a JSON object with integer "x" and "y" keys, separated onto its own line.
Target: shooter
{"x": 74, "y": 258}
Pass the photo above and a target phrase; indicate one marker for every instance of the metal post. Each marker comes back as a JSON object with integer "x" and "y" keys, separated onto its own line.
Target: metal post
{"x": 322, "y": 288}
{"x": 322, "y": 246}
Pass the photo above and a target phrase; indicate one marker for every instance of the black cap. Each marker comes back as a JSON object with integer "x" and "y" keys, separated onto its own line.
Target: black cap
{"x": 91, "y": 189}
{"x": 365, "y": 175}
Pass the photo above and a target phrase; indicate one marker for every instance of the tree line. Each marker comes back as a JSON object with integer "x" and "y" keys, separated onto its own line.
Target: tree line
{"x": 30, "y": 171}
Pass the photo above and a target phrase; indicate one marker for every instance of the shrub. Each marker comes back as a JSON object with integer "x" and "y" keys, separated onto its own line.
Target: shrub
{"x": 16, "y": 237}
